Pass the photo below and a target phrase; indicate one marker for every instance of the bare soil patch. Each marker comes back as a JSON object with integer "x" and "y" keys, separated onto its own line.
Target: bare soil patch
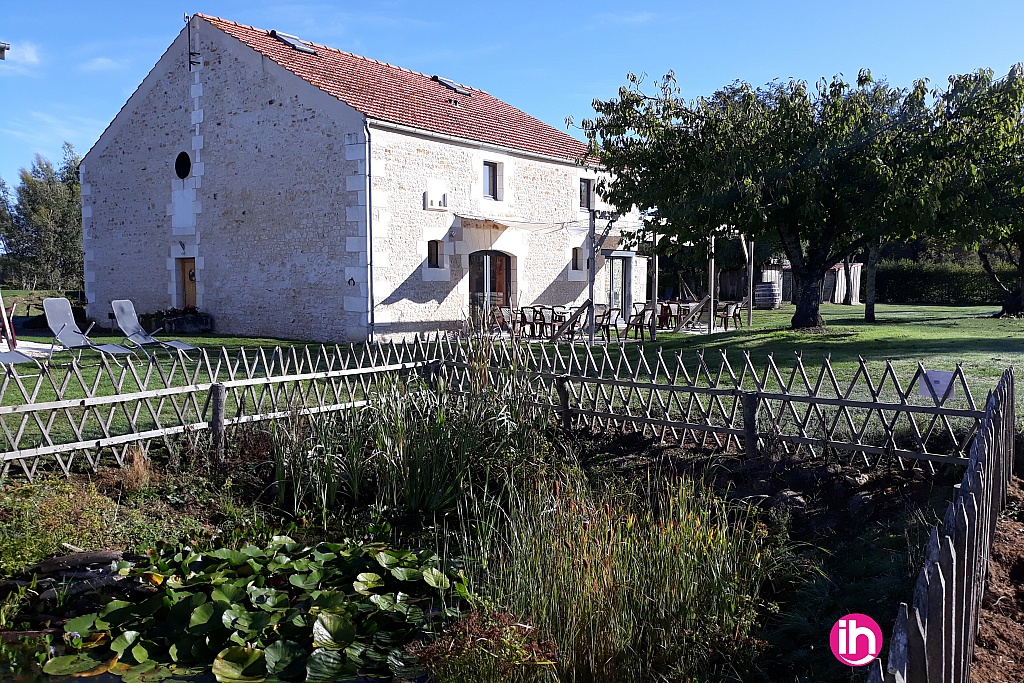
{"x": 998, "y": 655}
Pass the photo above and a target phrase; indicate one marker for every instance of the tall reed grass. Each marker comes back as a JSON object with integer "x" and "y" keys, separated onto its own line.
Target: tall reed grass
{"x": 627, "y": 592}
{"x": 415, "y": 447}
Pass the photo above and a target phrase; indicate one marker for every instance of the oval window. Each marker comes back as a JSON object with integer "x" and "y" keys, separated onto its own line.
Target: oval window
{"x": 183, "y": 165}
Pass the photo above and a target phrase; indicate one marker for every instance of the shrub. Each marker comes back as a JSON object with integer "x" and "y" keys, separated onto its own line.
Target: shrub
{"x": 908, "y": 282}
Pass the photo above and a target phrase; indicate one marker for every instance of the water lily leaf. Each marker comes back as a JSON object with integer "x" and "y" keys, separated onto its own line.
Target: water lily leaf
{"x": 328, "y": 599}
{"x": 234, "y": 557}
{"x": 333, "y": 631}
{"x": 123, "y": 641}
{"x": 236, "y": 617}
{"x": 147, "y": 672}
{"x": 152, "y": 578}
{"x": 240, "y": 665}
{"x": 228, "y": 593}
{"x": 324, "y": 556}
{"x": 307, "y": 581}
{"x": 94, "y": 640}
{"x": 268, "y": 599}
{"x": 388, "y": 559}
{"x": 366, "y": 581}
{"x": 140, "y": 654}
{"x": 435, "y": 578}
{"x": 386, "y": 602}
{"x": 69, "y": 665}
{"x": 254, "y": 551}
{"x": 116, "y": 612}
{"x": 406, "y": 574}
{"x": 327, "y": 666}
{"x": 281, "y": 540}
{"x": 81, "y": 625}
{"x": 201, "y": 617}
{"x": 284, "y": 655}
{"x": 102, "y": 668}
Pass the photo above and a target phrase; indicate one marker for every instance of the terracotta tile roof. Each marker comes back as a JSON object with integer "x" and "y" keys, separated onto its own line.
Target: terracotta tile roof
{"x": 390, "y": 93}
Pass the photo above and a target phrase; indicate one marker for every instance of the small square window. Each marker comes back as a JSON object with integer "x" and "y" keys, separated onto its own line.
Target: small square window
{"x": 491, "y": 180}
{"x": 586, "y": 193}
{"x": 434, "y": 251}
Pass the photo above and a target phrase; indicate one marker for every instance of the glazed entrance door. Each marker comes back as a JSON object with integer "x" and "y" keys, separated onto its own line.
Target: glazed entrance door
{"x": 619, "y": 295}
{"x": 490, "y": 284}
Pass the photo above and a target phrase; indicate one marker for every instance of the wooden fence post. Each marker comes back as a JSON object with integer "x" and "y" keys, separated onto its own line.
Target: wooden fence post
{"x": 218, "y": 397}
{"x": 561, "y": 386}
{"x": 749, "y": 400}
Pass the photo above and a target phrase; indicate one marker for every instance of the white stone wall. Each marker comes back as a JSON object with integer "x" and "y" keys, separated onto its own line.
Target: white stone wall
{"x": 538, "y": 200}
{"x": 274, "y": 211}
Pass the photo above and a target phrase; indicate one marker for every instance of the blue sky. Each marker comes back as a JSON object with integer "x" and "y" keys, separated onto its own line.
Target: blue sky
{"x": 73, "y": 65}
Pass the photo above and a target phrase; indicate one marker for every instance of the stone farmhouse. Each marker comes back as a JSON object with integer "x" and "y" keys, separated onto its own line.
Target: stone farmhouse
{"x": 295, "y": 190}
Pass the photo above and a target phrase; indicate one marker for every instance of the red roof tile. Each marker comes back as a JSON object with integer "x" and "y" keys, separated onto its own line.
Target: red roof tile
{"x": 390, "y": 93}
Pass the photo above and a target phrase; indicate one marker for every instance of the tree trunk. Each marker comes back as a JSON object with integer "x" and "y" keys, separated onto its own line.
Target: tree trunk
{"x": 870, "y": 268}
{"x": 807, "y": 297}
{"x": 1013, "y": 299}
{"x": 848, "y": 295}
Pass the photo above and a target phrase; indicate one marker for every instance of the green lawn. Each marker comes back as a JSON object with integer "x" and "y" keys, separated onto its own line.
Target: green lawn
{"x": 939, "y": 337}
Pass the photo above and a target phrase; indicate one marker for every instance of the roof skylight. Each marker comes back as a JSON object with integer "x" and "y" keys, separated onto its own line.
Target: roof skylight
{"x": 294, "y": 41}
{"x": 452, "y": 85}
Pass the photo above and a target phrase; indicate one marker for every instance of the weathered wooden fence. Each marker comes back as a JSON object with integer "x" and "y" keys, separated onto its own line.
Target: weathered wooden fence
{"x": 69, "y": 410}
{"x": 99, "y": 409}
{"x": 720, "y": 404}
{"x": 933, "y": 639}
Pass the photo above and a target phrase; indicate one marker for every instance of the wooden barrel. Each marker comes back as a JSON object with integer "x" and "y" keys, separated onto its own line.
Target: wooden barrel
{"x": 767, "y": 295}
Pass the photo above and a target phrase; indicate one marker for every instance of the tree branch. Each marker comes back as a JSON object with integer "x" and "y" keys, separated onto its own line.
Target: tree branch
{"x": 991, "y": 271}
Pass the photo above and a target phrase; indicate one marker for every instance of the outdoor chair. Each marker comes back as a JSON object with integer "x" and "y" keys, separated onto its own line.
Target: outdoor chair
{"x": 524, "y": 316}
{"x": 639, "y": 323}
{"x": 507, "y": 320}
{"x": 128, "y": 321}
{"x": 543, "y": 321}
{"x": 11, "y": 357}
{"x": 692, "y": 316}
{"x": 731, "y": 312}
{"x": 61, "y": 321}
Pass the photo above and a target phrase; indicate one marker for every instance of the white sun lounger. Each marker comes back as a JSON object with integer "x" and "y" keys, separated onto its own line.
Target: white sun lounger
{"x": 61, "y": 322}
{"x": 128, "y": 321}
{"x": 11, "y": 357}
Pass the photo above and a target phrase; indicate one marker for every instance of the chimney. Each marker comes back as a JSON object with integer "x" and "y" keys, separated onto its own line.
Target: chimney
{"x": 4, "y": 47}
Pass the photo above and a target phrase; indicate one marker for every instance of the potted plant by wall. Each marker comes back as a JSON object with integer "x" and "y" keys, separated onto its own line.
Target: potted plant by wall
{"x": 187, "y": 320}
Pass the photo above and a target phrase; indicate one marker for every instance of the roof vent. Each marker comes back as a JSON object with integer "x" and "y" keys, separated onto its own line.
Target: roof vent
{"x": 452, "y": 85}
{"x": 294, "y": 41}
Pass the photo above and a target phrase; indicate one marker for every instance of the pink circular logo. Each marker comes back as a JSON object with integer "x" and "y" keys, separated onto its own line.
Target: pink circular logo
{"x": 856, "y": 640}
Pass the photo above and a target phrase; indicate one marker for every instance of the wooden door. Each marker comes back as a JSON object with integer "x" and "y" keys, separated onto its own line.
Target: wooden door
{"x": 187, "y": 278}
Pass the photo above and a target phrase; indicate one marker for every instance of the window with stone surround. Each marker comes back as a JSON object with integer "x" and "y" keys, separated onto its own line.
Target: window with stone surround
{"x": 586, "y": 193}
{"x": 578, "y": 258}
{"x": 492, "y": 180}
{"x": 435, "y": 254}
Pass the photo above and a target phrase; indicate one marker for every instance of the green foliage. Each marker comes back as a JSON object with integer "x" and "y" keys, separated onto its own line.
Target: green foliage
{"x": 818, "y": 168}
{"x": 288, "y": 610}
{"x": 947, "y": 284}
{"x": 24, "y": 659}
{"x": 42, "y": 232}
{"x": 626, "y": 590}
{"x": 35, "y": 519}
